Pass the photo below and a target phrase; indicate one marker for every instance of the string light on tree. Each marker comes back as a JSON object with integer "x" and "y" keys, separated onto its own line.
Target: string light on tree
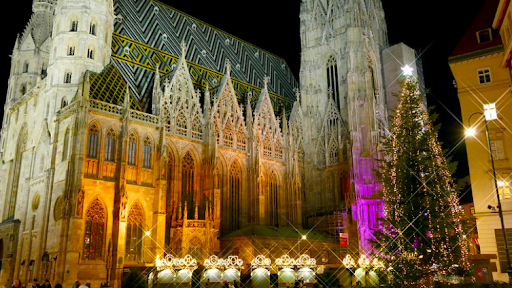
{"x": 422, "y": 231}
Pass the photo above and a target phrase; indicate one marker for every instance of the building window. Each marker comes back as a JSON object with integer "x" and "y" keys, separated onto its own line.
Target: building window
{"x": 90, "y": 53}
{"x": 71, "y": 51}
{"x": 187, "y": 186}
{"x": 95, "y": 224}
{"x": 92, "y": 141}
{"x": 110, "y": 145}
{"x": 332, "y": 79}
{"x": 484, "y": 76}
{"x": 504, "y": 190}
{"x": 92, "y": 29}
{"x": 498, "y": 153}
{"x": 484, "y": 36}
{"x": 23, "y": 89}
{"x": 25, "y": 67}
{"x": 132, "y": 149}
{"x": 235, "y": 191}
{"x": 134, "y": 233}
{"x": 67, "y": 77}
{"x": 472, "y": 210}
{"x": 146, "y": 153}
{"x": 273, "y": 200}
{"x": 74, "y": 26}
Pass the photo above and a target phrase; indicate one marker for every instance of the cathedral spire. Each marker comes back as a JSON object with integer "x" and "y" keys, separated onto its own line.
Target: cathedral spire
{"x": 183, "y": 48}
{"x": 127, "y": 98}
{"x": 248, "y": 113}
{"x": 228, "y": 67}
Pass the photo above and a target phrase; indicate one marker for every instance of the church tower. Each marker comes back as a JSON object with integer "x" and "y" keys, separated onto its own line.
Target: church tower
{"x": 82, "y": 38}
{"x": 343, "y": 98}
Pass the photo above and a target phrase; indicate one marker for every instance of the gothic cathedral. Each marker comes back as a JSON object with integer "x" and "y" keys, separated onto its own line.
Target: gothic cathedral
{"x": 132, "y": 130}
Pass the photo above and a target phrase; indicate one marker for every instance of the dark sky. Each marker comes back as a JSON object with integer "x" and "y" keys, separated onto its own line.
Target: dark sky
{"x": 432, "y": 27}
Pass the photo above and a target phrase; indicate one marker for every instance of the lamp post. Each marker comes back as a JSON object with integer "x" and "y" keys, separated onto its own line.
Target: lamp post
{"x": 490, "y": 114}
{"x": 302, "y": 237}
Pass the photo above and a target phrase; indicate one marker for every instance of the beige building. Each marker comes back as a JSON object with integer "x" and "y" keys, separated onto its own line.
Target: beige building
{"x": 481, "y": 72}
{"x": 132, "y": 130}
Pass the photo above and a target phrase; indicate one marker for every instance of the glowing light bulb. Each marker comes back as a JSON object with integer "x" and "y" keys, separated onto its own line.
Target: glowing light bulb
{"x": 470, "y": 132}
{"x": 407, "y": 70}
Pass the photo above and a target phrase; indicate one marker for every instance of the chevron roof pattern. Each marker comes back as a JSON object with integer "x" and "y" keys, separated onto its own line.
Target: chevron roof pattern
{"x": 148, "y": 34}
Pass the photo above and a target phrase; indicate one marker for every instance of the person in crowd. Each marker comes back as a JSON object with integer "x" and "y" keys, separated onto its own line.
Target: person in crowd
{"x": 76, "y": 285}
{"x": 16, "y": 284}
{"x": 83, "y": 286}
{"x": 58, "y": 285}
{"x": 46, "y": 284}
{"x": 35, "y": 284}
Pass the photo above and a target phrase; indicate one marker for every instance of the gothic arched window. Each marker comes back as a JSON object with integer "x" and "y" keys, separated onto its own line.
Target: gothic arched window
{"x": 181, "y": 124}
{"x": 146, "y": 153}
{"x": 134, "y": 233}
{"x": 22, "y": 140}
{"x": 197, "y": 128}
{"x": 67, "y": 77}
{"x": 132, "y": 149}
{"x": 332, "y": 79}
{"x": 92, "y": 29}
{"x": 267, "y": 145}
{"x": 110, "y": 145}
{"x": 273, "y": 200}
{"x": 92, "y": 141}
{"x": 90, "y": 53}
{"x": 187, "y": 184}
{"x": 95, "y": 226}
{"x": 235, "y": 191}
{"x": 170, "y": 198}
{"x": 228, "y": 136}
{"x": 74, "y": 26}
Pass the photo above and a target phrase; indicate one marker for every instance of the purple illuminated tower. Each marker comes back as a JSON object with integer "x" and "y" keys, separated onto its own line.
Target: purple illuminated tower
{"x": 343, "y": 102}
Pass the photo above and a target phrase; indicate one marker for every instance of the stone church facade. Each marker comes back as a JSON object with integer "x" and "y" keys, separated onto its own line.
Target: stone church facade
{"x": 133, "y": 130}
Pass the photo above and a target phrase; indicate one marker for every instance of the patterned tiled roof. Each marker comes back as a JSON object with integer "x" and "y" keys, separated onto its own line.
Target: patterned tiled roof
{"x": 110, "y": 86}
{"x": 149, "y": 34}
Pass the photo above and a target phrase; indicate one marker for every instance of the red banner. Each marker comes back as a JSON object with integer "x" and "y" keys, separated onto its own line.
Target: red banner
{"x": 344, "y": 239}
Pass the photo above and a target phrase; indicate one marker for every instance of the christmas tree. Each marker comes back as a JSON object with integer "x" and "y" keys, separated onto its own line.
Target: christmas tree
{"x": 423, "y": 233}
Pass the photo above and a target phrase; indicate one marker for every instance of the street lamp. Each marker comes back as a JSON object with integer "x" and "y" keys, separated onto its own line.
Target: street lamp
{"x": 491, "y": 114}
{"x": 302, "y": 237}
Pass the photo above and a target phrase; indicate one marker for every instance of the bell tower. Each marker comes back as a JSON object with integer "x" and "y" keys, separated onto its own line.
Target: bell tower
{"x": 341, "y": 73}
{"x": 82, "y": 37}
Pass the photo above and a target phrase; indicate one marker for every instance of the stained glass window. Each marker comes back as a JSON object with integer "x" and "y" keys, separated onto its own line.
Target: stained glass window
{"x": 170, "y": 198}
{"x": 273, "y": 200}
{"x": 235, "y": 187}
{"x": 132, "y": 149}
{"x": 146, "y": 153}
{"x": 187, "y": 184}
{"x": 95, "y": 225}
{"x": 135, "y": 233}
{"x": 92, "y": 141}
{"x": 110, "y": 145}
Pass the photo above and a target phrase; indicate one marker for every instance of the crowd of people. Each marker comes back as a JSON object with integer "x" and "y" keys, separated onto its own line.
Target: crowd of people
{"x": 46, "y": 284}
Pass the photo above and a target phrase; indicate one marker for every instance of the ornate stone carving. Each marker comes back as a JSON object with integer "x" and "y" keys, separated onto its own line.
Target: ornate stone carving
{"x": 79, "y": 203}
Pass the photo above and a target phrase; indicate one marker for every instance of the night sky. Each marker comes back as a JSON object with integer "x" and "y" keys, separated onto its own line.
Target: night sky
{"x": 431, "y": 27}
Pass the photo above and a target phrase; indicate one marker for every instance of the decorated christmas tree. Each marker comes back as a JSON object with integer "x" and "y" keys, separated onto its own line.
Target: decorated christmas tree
{"x": 422, "y": 237}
